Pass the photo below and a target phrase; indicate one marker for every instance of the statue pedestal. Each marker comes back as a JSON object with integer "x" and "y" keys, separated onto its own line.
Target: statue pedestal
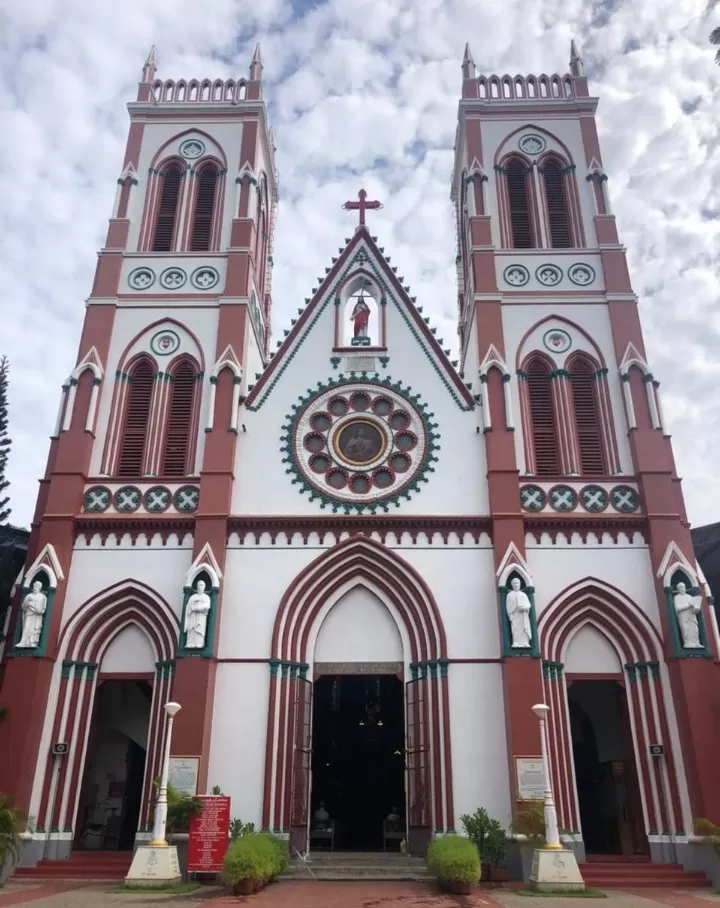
{"x": 555, "y": 870}
{"x": 154, "y": 866}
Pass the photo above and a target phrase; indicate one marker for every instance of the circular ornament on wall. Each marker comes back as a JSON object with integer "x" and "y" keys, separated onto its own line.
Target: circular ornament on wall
{"x": 557, "y": 341}
{"x": 157, "y": 499}
{"x": 173, "y": 278}
{"x": 532, "y": 498}
{"x": 562, "y": 498}
{"x": 191, "y": 148}
{"x": 127, "y": 499}
{"x": 97, "y": 499}
{"x": 594, "y": 498}
{"x": 625, "y": 499}
{"x": 204, "y": 278}
{"x": 532, "y": 144}
{"x": 141, "y": 278}
{"x": 164, "y": 342}
{"x": 186, "y": 498}
{"x": 359, "y": 444}
{"x": 581, "y": 274}
{"x": 548, "y": 275}
{"x": 516, "y": 275}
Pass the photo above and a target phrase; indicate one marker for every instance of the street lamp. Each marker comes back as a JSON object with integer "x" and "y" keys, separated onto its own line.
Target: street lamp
{"x": 158, "y": 839}
{"x": 552, "y": 839}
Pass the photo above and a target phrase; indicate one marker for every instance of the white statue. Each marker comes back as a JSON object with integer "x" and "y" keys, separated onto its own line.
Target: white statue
{"x": 687, "y": 609}
{"x": 518, "y": 609}
{"x": 33, "y": 609}
{"x": 196, "y": 617}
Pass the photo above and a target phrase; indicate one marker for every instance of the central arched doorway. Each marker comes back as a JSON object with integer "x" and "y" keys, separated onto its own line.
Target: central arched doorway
{"x": 362, "y": 625}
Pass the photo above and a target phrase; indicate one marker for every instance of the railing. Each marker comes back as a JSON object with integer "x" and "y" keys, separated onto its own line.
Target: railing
{"x": 513, "y": 88}
{"x": 199, "y": 90}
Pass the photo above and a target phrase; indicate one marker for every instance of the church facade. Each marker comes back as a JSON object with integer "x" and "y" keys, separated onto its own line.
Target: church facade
{"x": 355, "y": 563}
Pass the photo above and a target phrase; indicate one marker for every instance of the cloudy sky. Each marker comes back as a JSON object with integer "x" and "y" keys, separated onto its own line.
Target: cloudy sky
{"x": 360, "y": 92}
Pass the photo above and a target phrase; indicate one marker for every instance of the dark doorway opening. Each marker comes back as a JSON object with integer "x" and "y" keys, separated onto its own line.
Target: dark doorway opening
{"x": 607, "y": 783}
{"x": 358, "y": 763}
{"x": 115, "y": 766}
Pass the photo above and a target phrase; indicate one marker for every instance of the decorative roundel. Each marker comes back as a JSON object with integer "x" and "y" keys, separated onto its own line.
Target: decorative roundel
{"x": 141, "y": 278}
{"x": 359, "y": 444}
{"x": 562, "y": 498}
{"x": 532, "y": 144}
{"x": 594, "y": 498}
{"x": 548, "y": 275}
{"x": 192, "y": 148}
{"x": 97, "y": 499}
{"x": 625, "y": 499}
{"x": 557, "y": 341}
{"x": 127, "y": 499}
{"x": 581, "y": 274}
{"x": 157, "y": 499}
{"x": 173, "y": 278}
{"x": 204, "y": 278}
{"x": 164, "y": 342}
{"x": 186, "y": 498}
{"x": 532, "y": 498}
{"x": 516, "y": 275}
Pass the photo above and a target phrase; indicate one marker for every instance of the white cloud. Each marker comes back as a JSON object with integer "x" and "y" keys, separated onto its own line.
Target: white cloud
{"x": 357, "y": 90}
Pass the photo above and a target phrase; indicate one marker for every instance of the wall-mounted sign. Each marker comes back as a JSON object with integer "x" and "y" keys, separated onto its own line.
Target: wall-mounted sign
{"x": 530, "y": 778}
{"x": 183, "y": 775}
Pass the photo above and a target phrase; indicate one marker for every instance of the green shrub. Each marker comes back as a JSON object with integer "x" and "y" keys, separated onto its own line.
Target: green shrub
{"x": 256, "y": 856}
{"x": 11, "y": 821}
{"x": 454, "y": 859}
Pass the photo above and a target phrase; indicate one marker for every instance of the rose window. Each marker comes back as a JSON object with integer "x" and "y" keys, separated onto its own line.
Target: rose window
{"x": 360, "y": 445}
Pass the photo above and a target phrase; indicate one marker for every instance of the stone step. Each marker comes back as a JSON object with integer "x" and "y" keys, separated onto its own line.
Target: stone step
{"x": 356, "y": 872}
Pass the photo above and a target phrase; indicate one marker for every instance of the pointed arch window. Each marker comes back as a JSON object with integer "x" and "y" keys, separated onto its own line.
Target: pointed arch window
{"x": 135, "y": 427}
{"x": 588, "y": 418}
{"x": 542, "y": 418}
{"x": 179, "y": 435}
{"x": 168, "y": 207}
{"x": 556, "y": 201}
{"x": 205, "y": 203}
{"x": 519, "y": 210}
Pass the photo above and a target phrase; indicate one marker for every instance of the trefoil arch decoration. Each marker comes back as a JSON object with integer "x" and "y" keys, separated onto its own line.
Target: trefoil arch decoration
{"x": 632, "y": 359}
{"x": 493, "y": 360}
{"x": 90, "y": 362}
{"x": 227, "y": 360}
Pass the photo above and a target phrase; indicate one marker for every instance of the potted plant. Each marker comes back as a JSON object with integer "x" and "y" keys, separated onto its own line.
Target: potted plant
{"x": 455, "y": 862}
{"x": 11, "y": 820}
{"x": 496, "y": 849}
{"x": 477, "y": 828}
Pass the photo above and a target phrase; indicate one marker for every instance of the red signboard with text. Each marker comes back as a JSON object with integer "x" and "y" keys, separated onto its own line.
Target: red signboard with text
{"x": 208, "y": 840}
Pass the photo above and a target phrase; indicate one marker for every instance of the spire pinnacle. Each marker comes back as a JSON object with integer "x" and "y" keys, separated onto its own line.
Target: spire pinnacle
{"x": 256, "y": 66}
{"x": 468, "y": 64}
{"x": 150, "y": 66}
{"x": 577, "y": 68}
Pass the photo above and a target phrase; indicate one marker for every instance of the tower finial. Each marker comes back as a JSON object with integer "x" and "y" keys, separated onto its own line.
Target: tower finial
{"x": 150, "y": 66}
{"x": 577, "y": 67}
{"x": 468, "y": 64}
{"x": 256, "y": 66}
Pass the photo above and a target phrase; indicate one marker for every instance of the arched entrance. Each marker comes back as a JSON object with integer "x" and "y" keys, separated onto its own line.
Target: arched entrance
{"x": 404, "y": 599}
{"x": 604, "y": 680}
{"x": 115, "y": 663}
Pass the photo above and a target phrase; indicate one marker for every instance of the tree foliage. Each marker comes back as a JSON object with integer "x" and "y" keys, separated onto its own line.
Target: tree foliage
{"x": 5, "y": 442}
{"x": 715, "y": 39}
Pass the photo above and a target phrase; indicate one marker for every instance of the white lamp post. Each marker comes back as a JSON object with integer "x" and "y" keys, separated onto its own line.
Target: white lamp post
{"x": 159, "y": 828}
{"x": 552, "y": 839}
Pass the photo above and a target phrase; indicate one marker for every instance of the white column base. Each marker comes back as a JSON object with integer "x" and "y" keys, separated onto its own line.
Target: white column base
{"x": 152, "y": 866}
{"x": 555, "y": 869}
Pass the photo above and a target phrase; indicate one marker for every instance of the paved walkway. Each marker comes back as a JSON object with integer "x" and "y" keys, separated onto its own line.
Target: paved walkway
{"x": 308, "y": 894}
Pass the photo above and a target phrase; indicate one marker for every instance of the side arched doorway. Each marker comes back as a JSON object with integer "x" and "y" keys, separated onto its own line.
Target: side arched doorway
{"x": 361, "y": 625}
{"x": 115, "y": 673}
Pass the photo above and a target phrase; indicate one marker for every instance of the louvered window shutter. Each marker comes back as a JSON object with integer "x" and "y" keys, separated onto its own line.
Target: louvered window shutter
{"x": 519, "y": 204}
{"x": 177, "y": 441}
{"x": 558, "y": 220}
{"x": 587, "y": 418}
{"x": 204, "y": 207}
{"x": 542, "y": 413}
{"x": 132, "y": 448}
{"x": 167, "y": 210}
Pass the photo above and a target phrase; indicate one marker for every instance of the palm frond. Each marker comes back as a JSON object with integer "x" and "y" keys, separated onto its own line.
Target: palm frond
{"x": 715, "y": 35}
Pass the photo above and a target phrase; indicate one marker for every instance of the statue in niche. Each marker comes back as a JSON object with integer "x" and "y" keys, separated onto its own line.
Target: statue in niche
{"x": 196, "y": 617}
{"x": 518, "y": 607}
{"x": 687, "y": 609}
{"x": 360, "y": 317}
{"x": 33, "y": 609}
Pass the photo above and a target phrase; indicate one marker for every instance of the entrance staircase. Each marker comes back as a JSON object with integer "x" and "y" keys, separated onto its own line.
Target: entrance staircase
{"x": 357, "y": 865}
{"x": 81, "y": 865}
{"x": 606, "y": 873}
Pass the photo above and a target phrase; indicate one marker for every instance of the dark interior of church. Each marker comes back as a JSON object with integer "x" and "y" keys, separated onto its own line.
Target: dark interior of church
{"x": 358, "y": 762}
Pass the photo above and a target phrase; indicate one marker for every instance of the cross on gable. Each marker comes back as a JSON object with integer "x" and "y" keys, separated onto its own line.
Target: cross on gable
{"x": 361, "y": 206}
